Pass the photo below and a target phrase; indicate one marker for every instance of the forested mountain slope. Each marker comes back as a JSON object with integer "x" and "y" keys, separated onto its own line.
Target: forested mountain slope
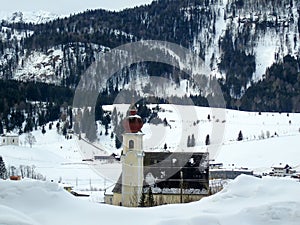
{"x": 252, "y": 47}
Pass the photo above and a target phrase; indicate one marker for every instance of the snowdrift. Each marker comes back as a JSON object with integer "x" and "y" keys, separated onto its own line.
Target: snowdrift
{"x": 246, "y": 200}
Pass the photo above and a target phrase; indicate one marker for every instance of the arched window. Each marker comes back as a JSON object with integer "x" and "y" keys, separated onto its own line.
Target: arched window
{"x": 131, "y": 144}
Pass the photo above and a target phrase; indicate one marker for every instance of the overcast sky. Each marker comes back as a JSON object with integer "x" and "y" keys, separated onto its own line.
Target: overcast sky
{"x": 66, "y": 7}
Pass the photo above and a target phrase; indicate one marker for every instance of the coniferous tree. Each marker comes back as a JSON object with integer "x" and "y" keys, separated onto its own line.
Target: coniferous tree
{"x": 208, "y": 117}
{"x": 119, "y": 130}
{"x": 2, "y": 169}
{"x": 106, "y": 129}
{"x": 189, "y": 141}
{"x": 150, "y": 200}
{"x": 28, "y": 125}
{"x": 142, "y": 202}
{"x": 207, "y": 140}
{"x": 71, "y": 118}
{"x": 64, "y": 131}
{"x": 240, "y": 136}
{"x": 57, "y": 126}
{"x": 1, "y": 127}
{"x": 43, "y": 130}
{"x": 165, "y": 146}
{"x": 193, "y": 142}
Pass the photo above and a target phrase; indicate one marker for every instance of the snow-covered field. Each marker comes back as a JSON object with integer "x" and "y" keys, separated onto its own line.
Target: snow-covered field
{"x": 59, "y": 159}
{"x": 269, "y": 138}
{"x": 246, "y": 200}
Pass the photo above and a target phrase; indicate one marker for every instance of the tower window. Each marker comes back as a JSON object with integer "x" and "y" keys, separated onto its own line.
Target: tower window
{"x": 131, "y": 144}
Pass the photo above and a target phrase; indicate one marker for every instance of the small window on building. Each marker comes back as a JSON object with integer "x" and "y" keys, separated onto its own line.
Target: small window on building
{"x": 13, "y": 140}
{"x": 131, "y": 144}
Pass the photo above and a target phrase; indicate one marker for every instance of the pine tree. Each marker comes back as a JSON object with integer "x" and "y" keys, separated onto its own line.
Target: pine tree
{"x": 240, "y": 137}
{"x": 57, "y": 127}
{"x": 106, "y": 129}
{"x": 2, "y": 169}
{"x": 193, "y": 142}
{"x": 165, "y": 147}
{"x": 150, "y": 200}
{"x": 207, "y": 140}
{"x": 189, "y": 141}
{"x": 208, "y": 117}
{"x": 64, "y": 131}
{"x": 142, "y": 200}
{"x": 71, "y": 118}
{"x": 43, "y": 130}
{"x": 119, "y": 130}
{"x": 29, "y": 125}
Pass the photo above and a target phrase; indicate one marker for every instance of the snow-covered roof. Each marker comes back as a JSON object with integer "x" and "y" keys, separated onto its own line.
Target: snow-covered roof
{"x": 232, "y": 169}
{"x": 134, "y": 116}
{"x": 280, "y": 166}
{"x": 109, "y": 190}
{"x": 10, "y": 135}
{"x": 177, "y": 191}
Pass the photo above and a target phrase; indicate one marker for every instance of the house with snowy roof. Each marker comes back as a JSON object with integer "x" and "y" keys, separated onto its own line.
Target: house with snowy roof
{"x": 282, "y": 170}
{"x": 172, "y": 177}
{"x": 9, "y": 139}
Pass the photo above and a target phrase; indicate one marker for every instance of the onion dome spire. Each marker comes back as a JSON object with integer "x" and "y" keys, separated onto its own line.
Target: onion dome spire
{"x": 132, "y": 123}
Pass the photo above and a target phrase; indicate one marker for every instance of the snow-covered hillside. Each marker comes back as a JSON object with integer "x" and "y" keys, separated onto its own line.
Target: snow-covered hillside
{"x": 61, "y": 160}
{"x": 246, "y": 200}
{"x": 50, "y": 67}
{"x": 269, "y": 138}
{"x": 267, "y": 32}
{"x": 266, "y": 45}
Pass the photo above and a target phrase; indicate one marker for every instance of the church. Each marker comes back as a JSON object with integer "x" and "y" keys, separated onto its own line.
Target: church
{"x": 170, "y": 177}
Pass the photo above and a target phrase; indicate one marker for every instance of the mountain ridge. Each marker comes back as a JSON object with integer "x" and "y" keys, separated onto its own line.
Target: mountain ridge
{"x": 35, "y": 17}
{"x": 238, "y": 40}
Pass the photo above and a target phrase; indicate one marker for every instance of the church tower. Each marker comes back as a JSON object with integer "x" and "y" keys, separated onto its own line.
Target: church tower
{"x": 132, "y": 159}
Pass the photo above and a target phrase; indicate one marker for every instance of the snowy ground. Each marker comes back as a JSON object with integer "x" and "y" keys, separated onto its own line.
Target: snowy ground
{"x": 267, "y": 201}
{"x": 60, "y": 159}
{"x": 247, "y": 199}
{"x": 269, "y": 138}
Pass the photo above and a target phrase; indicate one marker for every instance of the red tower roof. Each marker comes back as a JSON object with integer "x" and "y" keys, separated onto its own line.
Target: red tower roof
{"x": 132, "y": 123}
